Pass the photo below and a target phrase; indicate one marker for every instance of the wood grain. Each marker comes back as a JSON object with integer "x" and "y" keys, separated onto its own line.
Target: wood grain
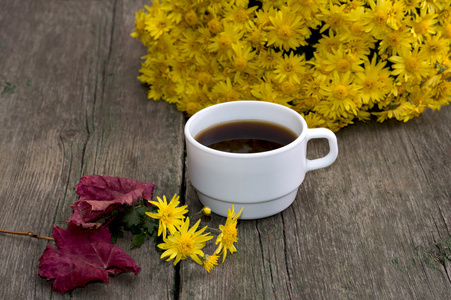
{"x": 78, "y": 109}
{"x": 367, "y": 227}
{"x": 374, "y": 225}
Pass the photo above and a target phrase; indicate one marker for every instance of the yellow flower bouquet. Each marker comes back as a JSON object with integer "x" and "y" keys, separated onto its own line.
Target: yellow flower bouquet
{"x": 333, "y": 61}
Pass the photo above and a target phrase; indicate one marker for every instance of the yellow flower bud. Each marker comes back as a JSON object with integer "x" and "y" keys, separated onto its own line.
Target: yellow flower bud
{"x": 206, "y": 211}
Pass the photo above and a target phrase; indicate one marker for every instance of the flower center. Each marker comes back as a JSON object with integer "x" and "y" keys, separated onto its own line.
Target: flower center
{"x": 172, "y": 92}
{"x": 240, "y": 63}
{"x": 162, "y": 67}
{"x": 284, "y": 32}
{"x": 225, "y": 42}
{"x": 288, "y": 67}
{"x": 335, "y": 20}
{"x": 380, "y": 17}
{"x": 214, "y": 26}
{"x": 203, "y": 78}
{"x": 288, "y": 87}
{"x": 167, "y": 216}
{"x": 192, "y": 107}
{"x": 193, "y": 46}
{"x": 229, "y": 235}
{"x": 332, "y": 44}
{"x": 356, "y": 29}
{"x": 191, "y": 18}
{"x": 232, "y": 95}
{"x": 185, "y": 245}
{"x": 422, "y": 27}
{"x": 394, "y": 40}
{"x": 368, "y": 85}
{"x": 434, "y": 48}
{"x": 256, "y": 37}
{"x": 343, "y": 65}
{"x": 340, "y": 92}
{"x": 411, "y": 64}
{"x": 447, "y": 31}
{"x": 240, "y": 16}
{"x": 161, "y": 24}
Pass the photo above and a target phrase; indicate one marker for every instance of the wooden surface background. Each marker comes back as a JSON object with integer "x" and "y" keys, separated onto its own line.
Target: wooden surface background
{"x": 374, "y": 225}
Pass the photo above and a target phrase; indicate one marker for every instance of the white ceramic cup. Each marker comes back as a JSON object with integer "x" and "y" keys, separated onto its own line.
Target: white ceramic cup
{"x": 263, "y": 183}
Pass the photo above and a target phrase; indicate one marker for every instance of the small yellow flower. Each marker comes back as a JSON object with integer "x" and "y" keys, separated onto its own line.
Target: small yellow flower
{"x": 228, "y": 234}
{"x": 290, "y": 67}
{"x": 206, "y": 211}
{"x": 170, "y": 215}
{"x": 158, "y": 24}
{"x": 209, "y": 261}
{"x": 412, "y": 65}
{"x": 339, "y": 61}
{"x": 287, "y": 31}
{"x": 185, "y": 242}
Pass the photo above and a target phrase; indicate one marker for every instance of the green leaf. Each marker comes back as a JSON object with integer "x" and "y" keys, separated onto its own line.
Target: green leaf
{"x": 150, "y": 226}
{"x": 132, "y": 218}
{"x": 138, "y": 240}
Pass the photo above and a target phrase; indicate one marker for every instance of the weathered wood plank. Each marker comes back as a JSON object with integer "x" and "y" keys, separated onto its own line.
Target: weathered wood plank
{"x": 365, "y": 228}
{"x": 71, "y": 105}
{"x": 370, "y": 226}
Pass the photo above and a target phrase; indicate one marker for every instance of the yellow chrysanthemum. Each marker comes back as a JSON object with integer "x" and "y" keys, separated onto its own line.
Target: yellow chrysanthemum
{"x": 436, "y": 48}
{"x": 170, "y": 215}
{"x": 328, "y": 43}
{"x": 238, "y": 14}
{"x": 377, "y": 16}
{"x": 158, "y": 24}
{"x": 393, "y": 42}
{"x": 185, "y": 242}
{"x": 287, "y": 31}
{"x": 266, "y": 92}
{"x": 267, "y": 59}
{"x": 404, "y": 110}
{"x": 411, "y": 65}
{"x": 174, "y": 9}
{"x": 209, "y": 261}
{"x": 411, "y": 6}
{"x": 395, "y": 13}
{"x": 339, "y": 61}
{"x": 334, "y": 17}
{"x": 290, "y": 67}
{"x": 423, "y": 25}
{"x": 140, "y": 24}
{"x": 371, "y": 89}
{"x": 342, "y": 95}
{"x": 358, "y": 48}
{"x": 226, "y": 91}
{"x": 243, "y": 58}
{"x": 309, "y": 9}
{"x": 222, "y": 43}
{"x": 229, "y": 234}
{"x": 189, "y": 44}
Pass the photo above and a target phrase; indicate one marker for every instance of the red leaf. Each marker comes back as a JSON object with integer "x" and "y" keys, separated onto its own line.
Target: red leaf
{"x": 99, "y": 195}
{"x": 83, "y": 255}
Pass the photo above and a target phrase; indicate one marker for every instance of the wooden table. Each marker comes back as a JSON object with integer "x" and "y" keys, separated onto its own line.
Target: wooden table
{"x": 374, "y": 225}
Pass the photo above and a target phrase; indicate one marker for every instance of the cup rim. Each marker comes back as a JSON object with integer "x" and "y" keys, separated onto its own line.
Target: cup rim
{"x": 206, "y": 110}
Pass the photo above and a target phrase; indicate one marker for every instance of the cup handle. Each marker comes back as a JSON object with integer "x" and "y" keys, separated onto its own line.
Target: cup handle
{"x": 318, "y": 133}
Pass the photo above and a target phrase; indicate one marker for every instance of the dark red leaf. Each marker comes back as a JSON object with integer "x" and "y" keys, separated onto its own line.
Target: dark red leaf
{"x": 83, "y": 255}
{"x": 99, "y": 195}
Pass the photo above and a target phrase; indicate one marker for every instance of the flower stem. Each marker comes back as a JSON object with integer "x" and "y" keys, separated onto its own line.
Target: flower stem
{"x": 31, "y": 234}
{"x": 214, "y": 229}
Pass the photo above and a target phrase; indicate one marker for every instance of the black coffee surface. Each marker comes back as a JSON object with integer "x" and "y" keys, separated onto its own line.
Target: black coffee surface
{"x": 247, "y": 136}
